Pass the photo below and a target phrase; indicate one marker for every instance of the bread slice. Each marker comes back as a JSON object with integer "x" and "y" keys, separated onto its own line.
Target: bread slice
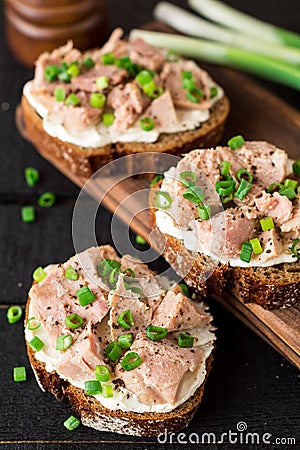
{"x": 85, "y": 161}
{"x": 92, "y": 413}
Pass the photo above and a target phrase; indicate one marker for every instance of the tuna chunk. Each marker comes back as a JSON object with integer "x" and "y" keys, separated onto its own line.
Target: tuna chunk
{"x": 178, "y": 312}
{"x": 87, "y": 81}
{"x": 275, "y": 205}
{"x": 121, "y": 300}
{"x": 163, "y": 112}
{"x": 54, "y": 298}
{"x": 128, "y": 102}
{"x": 143, "y": 54}
{"x": 172, "y": 77}
{"x": 271, "y": 244}
{"x": 264, "y": 160}
{"x": 75, "y": 118}
{"x": 115, "y": 44}
{"x": 145, "y": 279}
{"x": 292, "y": 226}
{"x": 80, "y": 360}
{"x": 165, "y": 365}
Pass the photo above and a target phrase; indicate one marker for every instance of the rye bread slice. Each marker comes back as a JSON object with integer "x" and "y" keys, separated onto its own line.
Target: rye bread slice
{"x": 94, "y": 415}
{"x": 272, "y": 287}
{"x": 85, "y": 161}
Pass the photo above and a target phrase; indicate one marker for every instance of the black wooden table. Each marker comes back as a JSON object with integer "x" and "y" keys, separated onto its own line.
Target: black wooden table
{"x": 249, "y": 383}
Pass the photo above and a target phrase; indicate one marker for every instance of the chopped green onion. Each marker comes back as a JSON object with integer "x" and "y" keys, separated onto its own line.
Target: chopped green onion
{"x": 156, "y": 179}
{"x": 144, "y": 77}
{"x": 102, "y": 83}
{"x": 113, "y": 277}
{"x": 204, "y": 212}
{"x": 227, "y": 199}
{"x": 288, "y": 192}
{"x": 131, "y": 361}
{"x": 274, "y": 187}
{"x": 194, "y": 194}
{"x": 102, "y": 373}
{"x": 14, "y": 314}
{"x": 33, "y": 324}
{"x": 267, "y": 223}
{"x": 295, "y": 249}
{"x": 28, "y": 214}
{"x": 64, "y": 342}
{"x": 125, "y": 63}
{"x": 184, "y": 288}
{"x": 71, "y": 423}
{"x": 19, "y": 374}
{"x": 108, "y": 58}
{"x": 156, "y": 333}
{"x": 213, "y": 92}
{"x": 185, "y": 340}
{"x": 125, "y": 319}
{"x": 163, "y": 200}
{"x": 225, "y": 188}
{"x": 73, "y": 321}
{"x": 151, "y": 90}
{"x": 72, "y": 100}
{"x": 236, "y": 142}
{"x": 293, "y": 184}
{"x": 64, "y": 76}
{"x": 195, "y": 95}
{"x": 85, "y": 296}
{"x": 36, "y": 343}
{"x": 187, "y": 75}
{"x": 108, "y": 119}
{"x": 74, "y": 69}
{"x": 125, "y": 340}
{"x": 172, "y": 56}
{"x": 188, "y": 83}
{"x": 113, "y": 351}
{"x": 224, "y": 168}
{"x": 107, "y": 390}
{"x": 129, "y": 272}
{"x": 106, "y": 266}
{"x": 188, "y": 178}
{"x": 244, "y": 174}
{"x": 47, "y": 199}
{"x": 88, "y": 63}
{"x": 92, "y": 387}
{"x": 147, "y": 124}
{"x": 32, "y": 176}
{"x": 256, "y": 246}
{"x": 51, "y": 73}
{"x": 243, "y": 189}
{"x": 71, "y": 274}
{"x": 39, "y": 274}
{"x": 246, "y": 252}
{"x": 140, "y": 240}
{"x": 60, "y": 94}
{"x": 296, "y": 168}
{"x": 97, "y": 100}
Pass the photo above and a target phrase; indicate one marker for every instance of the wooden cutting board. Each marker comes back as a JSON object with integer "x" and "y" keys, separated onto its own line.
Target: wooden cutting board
{"x": 257, "y": 115}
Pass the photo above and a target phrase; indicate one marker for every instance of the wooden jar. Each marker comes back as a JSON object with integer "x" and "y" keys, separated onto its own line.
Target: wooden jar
{"x": 33, "y": 26}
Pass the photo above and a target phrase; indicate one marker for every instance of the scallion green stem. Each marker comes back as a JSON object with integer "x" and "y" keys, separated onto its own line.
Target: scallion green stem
{"x": 219, "y": 12}
{"x": 192, "y": 25}
{"x": 216, "y": 53}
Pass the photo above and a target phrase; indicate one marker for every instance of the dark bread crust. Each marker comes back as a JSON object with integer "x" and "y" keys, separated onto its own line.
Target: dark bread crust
{"x": 94, "y": 415}
{"x": 85, "y": 161}
{"x": 270, "y": 287}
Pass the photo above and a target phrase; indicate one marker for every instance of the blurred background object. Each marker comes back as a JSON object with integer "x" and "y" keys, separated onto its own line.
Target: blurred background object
{"x": 33, "y": 26}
